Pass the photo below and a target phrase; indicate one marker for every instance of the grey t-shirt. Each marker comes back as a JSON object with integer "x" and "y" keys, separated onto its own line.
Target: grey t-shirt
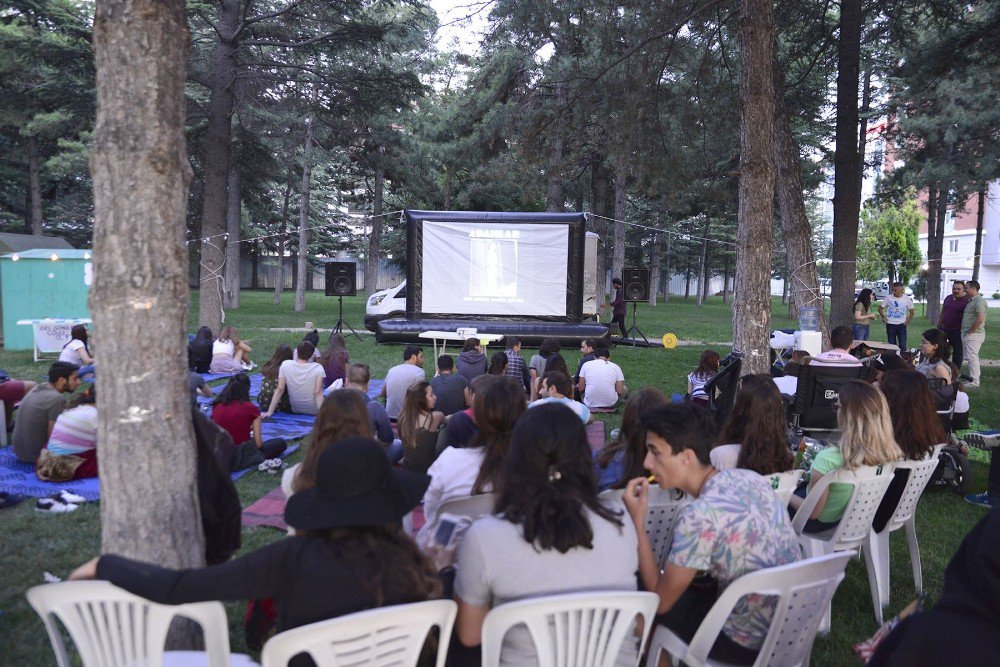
{"x": 31, "y": 426}
{"x": 195, "y": 384}
{"x": 300, "y": 384}
{"x": 450, "y": 392}
{"x": 495, "y": 565}
{"x": 397, "y": 381}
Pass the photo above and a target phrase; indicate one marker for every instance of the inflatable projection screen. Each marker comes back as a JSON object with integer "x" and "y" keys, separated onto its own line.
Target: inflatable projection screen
{"x": 495, "y": 265}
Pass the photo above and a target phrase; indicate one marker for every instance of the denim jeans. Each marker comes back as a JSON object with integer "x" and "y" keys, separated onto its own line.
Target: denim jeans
{"x": 896, "y": 334}
{"x": 860, "y": 331}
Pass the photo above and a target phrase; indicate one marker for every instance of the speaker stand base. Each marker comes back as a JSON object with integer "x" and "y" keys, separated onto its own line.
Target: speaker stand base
{"x": 633, "y": 330}
{"x": 339, "y": 327}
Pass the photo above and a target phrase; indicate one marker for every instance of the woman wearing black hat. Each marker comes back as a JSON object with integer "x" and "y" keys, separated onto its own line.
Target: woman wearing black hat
{"x": 350, "y": 552}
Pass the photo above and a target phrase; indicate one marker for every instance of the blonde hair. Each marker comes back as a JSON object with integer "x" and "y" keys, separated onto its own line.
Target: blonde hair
{"x": 864, "y": 420}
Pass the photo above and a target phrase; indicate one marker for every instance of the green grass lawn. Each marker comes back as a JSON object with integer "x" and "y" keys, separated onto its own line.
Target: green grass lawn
{"x": 31, "y": 544}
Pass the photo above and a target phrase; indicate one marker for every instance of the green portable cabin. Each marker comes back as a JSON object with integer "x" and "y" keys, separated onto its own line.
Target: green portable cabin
{"x": 40, "y": 283}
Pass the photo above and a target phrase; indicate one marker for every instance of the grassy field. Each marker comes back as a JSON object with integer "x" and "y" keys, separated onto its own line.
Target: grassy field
{"x": 31, "y": 544}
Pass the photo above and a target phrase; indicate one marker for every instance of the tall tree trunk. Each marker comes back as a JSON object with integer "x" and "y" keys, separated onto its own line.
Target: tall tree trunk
{"x": 255, "y": 266}
{"x": 795, "y": 229}
{"x": 618, "y": 256}
{"x": 279, "y": 283}
{"x": 34, "y": 185}
{"x": 554, "y": 197}
{"x": 687, "y": 280}
{"x": 752, "y": 305}
{"x": 375, "y": 238}
{"x": 232, "y": 272}
{"x": 977, "y": 256}
{"x": 846, "y": 193}
{"x": 654, "y": 269}
{"x": 668, "y": 270}
{"x": 866, "y": 100}
{"x": 149, "y": 495}
{"x": 934, "y": 252}
{"x": 703, "y": 263}
{"x": 300, "y": 280}
{"x": 218, "y": 140}
{"x": 725, "y": 278}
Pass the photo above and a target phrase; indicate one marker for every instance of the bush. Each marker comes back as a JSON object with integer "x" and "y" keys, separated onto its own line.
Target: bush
{"x": 996, "y": 295}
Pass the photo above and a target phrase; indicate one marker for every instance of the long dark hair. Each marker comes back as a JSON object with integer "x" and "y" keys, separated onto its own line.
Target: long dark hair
{"x": 342, "y": 415}
{"x": 757, "y": 424}
{"x": 557, "y": 363}
{"x": 79, "y": 332}
{"x": 203, "y": 336}
{"x": 414, "y": 405}
{"x": 237, "y": 390}
{"x": 708, "y": 363}
{"x": 549, "y": 347}
{"x": 915, "y": 424}
{"x": 336, "y": 350}
{"x": 865, "y": 299}
{"x": 498, "y": 363}
{"x": 549, "y": 481}
{"x": 281, "y": 354}
{"x": 943, "y": 351}
{"x": 497, "y": 408}
{"x": 632, "y": 436}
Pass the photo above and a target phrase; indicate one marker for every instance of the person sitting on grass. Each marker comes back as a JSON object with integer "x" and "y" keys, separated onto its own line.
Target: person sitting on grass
{"x": 708, "y": 368}
{"x": 498, "y": 364}
{"x": 419, "y": 426}
{"x": 516, "y": 368}
{"x": 472, "y": 361}
{"x": 39, "y": 410}
{"x": 71, "y": 452}
{"x": 841, "y": 338}
{"x": 303, "y": 380}
{"x": 734, "y": 525}
{"x": 449, "y": 386}
{"x": 200, "y": 350}
{"x": 269, "y": 380}
{"x": 350, "y": 554}
{"x": 76, "y": 351}
{"x": 936, "y": 354}
{"x": 230, "y": 355}
{"x": 400, "y": 378}
{"x": 557, "y": 388}
{"x": 13, "y": 392}
{"x": 335, "y": 359}
{"x": 866, "y": 440}
{"x": 462, "y": 427}
{"x": 602, "y": 383}
{"x": 754, "y": 437}
{"x": 240, "y": 417}
{"x": 621, "y": 460}
{"x": 358, "y": 377}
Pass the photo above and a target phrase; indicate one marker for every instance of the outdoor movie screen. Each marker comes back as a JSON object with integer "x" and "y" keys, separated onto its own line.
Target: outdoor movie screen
{"x": 484, "y": 268}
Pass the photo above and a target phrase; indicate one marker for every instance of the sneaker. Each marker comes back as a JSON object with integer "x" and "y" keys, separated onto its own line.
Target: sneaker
{"x": 53, "y": 506}
{"x": 271, "y": 465}
{"x": 980, "y": 499}
{"x": 68, "y": 497}
{"x": 965, "y": 378}
{"x": 982, "y": 440}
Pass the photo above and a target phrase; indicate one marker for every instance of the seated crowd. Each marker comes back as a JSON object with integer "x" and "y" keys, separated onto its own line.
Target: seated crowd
{"x": 517, "y": 431}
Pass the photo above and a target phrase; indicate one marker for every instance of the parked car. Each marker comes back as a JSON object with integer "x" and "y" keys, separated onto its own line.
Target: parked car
{"x": 385, "y": 304}
{"x": 880, "y": 289}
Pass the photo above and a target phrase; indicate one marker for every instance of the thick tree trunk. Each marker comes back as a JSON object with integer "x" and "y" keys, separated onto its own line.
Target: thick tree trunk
{"x": 255, "y": 266}
{"x": 977, "y": 256}
{"x": 703, "y": 263}
{"x": 866, "y": 100}
{"x": 555, "y": 200}
{"x": 802, "y": 274}
{"x": 218, "y": 140}
{"x": 654, "y": 269}
{"x": 846, "y": 193}
{"x": 668, "y": 270}
{"x": 300, "y": 278}
{"x": 34, "y": 185}
{"x": 752, "y": 303}
{"x": 232, "y": 272}
{"x": 149, "y": 496}
{"x": 618, "y": 253}
{"x": 934, "y": 252}
{"x": 279, "y": 284}
{"x": 375, "y": 238}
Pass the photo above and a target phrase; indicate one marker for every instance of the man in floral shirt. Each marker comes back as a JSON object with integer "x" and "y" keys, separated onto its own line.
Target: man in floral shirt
{"x": 735, "y": 525}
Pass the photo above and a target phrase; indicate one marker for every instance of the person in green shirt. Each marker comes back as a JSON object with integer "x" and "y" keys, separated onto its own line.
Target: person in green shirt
{"x": 973, "y": 330}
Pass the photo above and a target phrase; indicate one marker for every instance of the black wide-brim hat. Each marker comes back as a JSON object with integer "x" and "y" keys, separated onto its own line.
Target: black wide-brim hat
{"x": 355, "y": 486}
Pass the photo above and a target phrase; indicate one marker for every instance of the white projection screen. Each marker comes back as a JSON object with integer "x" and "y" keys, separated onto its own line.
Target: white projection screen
{"x": 489, "y": 268}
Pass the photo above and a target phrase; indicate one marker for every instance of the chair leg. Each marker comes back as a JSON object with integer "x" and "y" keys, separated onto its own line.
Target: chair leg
{"x": 872, "y": 565}
{"x": 911, "y": 543}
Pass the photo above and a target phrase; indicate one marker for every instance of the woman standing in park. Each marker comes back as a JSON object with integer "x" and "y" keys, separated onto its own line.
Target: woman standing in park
{"x": 863, "y": 316}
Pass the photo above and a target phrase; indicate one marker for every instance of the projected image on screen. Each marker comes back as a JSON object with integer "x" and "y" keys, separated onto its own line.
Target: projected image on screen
{"x": 479, "y": 268}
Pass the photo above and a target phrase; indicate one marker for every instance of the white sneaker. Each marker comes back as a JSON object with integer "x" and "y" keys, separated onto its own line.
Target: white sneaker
{"x": 53, "y": 506}
{"x": 68, "y": 497}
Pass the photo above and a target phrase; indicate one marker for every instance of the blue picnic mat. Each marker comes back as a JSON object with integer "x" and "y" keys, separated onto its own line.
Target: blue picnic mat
{"x": 374, "y": 388}
{"x": 20, "y": 478}
{"x": 212, "y": 377}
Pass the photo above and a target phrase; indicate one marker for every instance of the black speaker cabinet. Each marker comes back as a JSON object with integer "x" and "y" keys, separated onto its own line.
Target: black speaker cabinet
{"x": 635, "y": 283}
{"x": 341, "y": 278}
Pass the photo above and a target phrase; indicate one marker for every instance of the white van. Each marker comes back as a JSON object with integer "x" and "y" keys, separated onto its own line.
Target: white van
{"x": 883, "y": 288}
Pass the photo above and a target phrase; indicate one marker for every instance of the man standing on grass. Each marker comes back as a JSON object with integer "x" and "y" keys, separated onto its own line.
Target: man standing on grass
{"x": 896, "y": 311}
{"x": 973, "y": 330}
{"x": 950, "y": 319}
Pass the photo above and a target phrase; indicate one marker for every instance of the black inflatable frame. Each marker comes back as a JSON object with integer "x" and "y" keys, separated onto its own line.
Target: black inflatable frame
{"x": 531, "y": 329}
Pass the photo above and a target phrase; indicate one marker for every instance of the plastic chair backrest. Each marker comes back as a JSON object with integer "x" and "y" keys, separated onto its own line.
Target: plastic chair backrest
{"x": 112, "y": 627}
{"x": 803, "y": 590}
{"x": 920, "y": 474}
{"x": 387, "y": 637}
{"x": 574, "y": 630}
{"x": 869, "y": 486}
{"x": 472, "y": 507}
{"x": 785, "y": 483}
{"x": 662, "y": 513}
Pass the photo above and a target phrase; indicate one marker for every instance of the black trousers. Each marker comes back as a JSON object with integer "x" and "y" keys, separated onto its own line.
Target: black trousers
{"x": 620, "y": 319}
{"x": 685, "y": 617}
{"x": 955, "y": 340}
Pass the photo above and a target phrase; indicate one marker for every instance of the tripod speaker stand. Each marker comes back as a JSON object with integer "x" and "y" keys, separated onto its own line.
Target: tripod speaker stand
{"x": 633, "y": 330}
{"x": 339, "y": 327}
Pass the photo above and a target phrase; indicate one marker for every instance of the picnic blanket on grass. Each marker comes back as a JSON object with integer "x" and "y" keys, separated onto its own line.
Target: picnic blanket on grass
{"x": 20, "y": 478}
{"x": 374, "y": 388}
{"x": 270, "y": 511}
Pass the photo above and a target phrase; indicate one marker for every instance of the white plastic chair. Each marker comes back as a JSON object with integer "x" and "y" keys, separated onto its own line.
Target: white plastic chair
{"x": 114, "y": 628}
{"x": 869, "y": 484}
{"x": 384, "y": 637}
{"x": 785, "y": 483}
{"x": 876, "y": 547}
{"x": 664, "y": 509}
{"x": 573, "y": 630}
{"x": 803, "y": 591}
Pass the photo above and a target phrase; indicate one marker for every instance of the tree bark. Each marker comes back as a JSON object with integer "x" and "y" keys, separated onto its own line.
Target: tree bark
{"x": 654, "y": 269}
{"x": 752, "y": 302}
{"x": 255, "y": 266}
{"x": 218, "y": 140}
{"x": 375, "y": 238}
{"x": 279, "y": 285}
{"x": 846, "y": 193}
{"x": 934, "y": 252}
{"x": 34, "y": 186}
{"x": 795, "y": 229}
{"x": 232, "y": 272}
{"x": 555, "y": 200}
{"x": 618, "y": 253}
{"x": 977, "y": 256}
{"x": 725, "y": 279}
{"x": 667, "y": 269}
{"x": 149, "y": 498}
{"x": 703, "y": 263}
{"x": 300, "y": 278}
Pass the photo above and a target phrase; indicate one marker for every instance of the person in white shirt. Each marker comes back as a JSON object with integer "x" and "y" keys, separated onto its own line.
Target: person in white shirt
{"x": 556, "y": 388}
{"x": 841, "y": 338}
{"x": 400, "y": 378}
{"x": 602, "y": 382}
{"x": 896, "y": 311}
{"x": 303, "y": 379}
